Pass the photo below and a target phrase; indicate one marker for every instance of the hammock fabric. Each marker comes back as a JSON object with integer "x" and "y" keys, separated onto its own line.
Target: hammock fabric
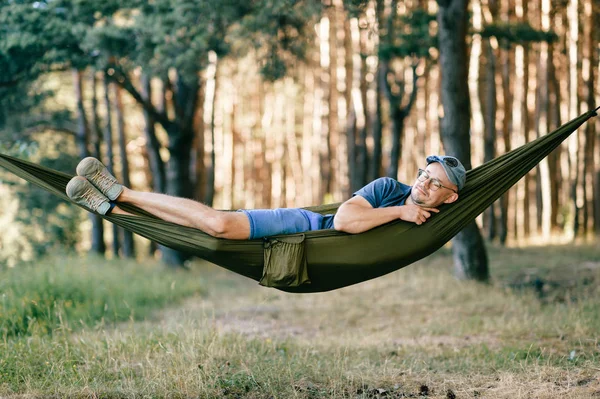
{"x": 333, "y": 259}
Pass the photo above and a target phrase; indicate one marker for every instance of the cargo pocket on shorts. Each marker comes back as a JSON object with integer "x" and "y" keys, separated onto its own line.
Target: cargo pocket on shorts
{"x": 285, "y": 262}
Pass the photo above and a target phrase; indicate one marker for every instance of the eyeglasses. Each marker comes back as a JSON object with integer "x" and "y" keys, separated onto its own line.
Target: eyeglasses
{"x": 434, "y": 184}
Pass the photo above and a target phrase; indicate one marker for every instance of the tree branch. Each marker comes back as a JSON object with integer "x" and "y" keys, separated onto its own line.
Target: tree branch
{"x": 121, "y": 79}
{"x": 48, "y": 126}
{"x": 385, "y": 70}
{"x": 49, "y": 122}
{"x": 413, "y": 95}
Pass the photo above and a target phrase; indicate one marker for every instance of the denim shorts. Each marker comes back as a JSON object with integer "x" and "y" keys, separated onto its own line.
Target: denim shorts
{"x": 272, "y": 222}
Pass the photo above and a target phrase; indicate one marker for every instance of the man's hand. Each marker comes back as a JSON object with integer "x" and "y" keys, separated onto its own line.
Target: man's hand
{"x": 415, "y": 213}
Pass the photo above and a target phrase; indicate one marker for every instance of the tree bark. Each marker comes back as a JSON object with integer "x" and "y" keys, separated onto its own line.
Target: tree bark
{"x": 383, "y": 24}
{"x": 98, "y": 244}
{"x": 507, "y": 71}
{"x": 590, "y": 131}
{"x": 554, "y": 121}
{"x": 128, "y": 243}
{"x": 210, "y": 173}
{"x": 362, "y": 156}
{"x": 323, "y": 107}
{"x": 157, "y": 165}
{"x": 108, "y": 134}
{"x": 350, "y": 111}
{"x": 198, "y": 163}
{"x": 526, "y": 126}
{"x": 595, "y": 166}
{"x": 82, "y": 125}
{"x": 181, "y": 136}
{"x": 398, "y": 114}
{"x": 157, "y": 178}
{"x": 334, "y": 133}
{"x": 82, "y": 138}
{"x": 180, "y": 130}
{"x": 470, "y": 255}
{"x": 489, "y": 107}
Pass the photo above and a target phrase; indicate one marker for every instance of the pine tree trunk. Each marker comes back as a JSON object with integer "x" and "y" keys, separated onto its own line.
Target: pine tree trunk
{"x": 210, "y": 173}
{"x": 470, "y": 256}
{"x": 293, "y": 149}
{"x": 82, "y": 139}
{"x": 108, "y": 140}
{"x": 362, "y": 156}
{"x": 507, "y": 72}
{"x": 157, "y": 178}
{"x": 397, "y": 117}
{"x": 353, "y": 76}
{"x": 595, "y": 170}
{"x": 323, "y": 107}
{"x": 553, "y": 123}
{"x": 82, "y": 125}
{"x": 128, "y": 243}
{"x": 157, "y": 165}
{"x": 334, "y": 133}
{"x": 489, "y": 106}
{"x": 590, "y": 130}
{"x": 375, "y": 167}
{"x": 98, "y": 245}
{"x": 526, "y": 125}
{"x": 181, "y": 136}
{"x": 198, "y": 151}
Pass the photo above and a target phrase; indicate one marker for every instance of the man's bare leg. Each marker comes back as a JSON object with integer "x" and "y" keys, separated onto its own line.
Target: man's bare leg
{"x": 187, "y": 212}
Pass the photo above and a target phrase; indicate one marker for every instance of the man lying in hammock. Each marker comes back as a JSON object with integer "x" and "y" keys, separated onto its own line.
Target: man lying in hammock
{"x": 379, "y": 202}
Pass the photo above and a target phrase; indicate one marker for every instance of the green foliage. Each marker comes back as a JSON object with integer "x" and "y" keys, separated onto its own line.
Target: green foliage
{"x": 47, "y": 221}
{"x": 179, "y": 33}
{"x": 43, "y": 221}
{"x": 413, "y": 36}
{"x": 69, "y": 293}
{"x": 517, "y": 33}
{"x": 355, "y": 8}
{"x": 280, "y": 32}
{"x": 35, "y": 38}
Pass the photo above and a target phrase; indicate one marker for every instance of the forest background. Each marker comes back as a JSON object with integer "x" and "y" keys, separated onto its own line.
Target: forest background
{"x": 265, "y": 104}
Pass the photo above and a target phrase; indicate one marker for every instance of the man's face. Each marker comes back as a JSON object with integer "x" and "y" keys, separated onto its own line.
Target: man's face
{"x": 422, "y": 193}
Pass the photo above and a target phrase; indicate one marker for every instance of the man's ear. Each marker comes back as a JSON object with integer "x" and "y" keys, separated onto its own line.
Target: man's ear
{"x": 451, "y": 198}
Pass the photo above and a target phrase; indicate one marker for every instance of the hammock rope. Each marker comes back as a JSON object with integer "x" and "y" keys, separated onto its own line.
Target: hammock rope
{"x": 335, "y": 259}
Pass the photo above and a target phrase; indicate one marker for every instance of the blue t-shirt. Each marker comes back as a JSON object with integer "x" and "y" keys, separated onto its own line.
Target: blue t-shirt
{"x": 380, "y": 193}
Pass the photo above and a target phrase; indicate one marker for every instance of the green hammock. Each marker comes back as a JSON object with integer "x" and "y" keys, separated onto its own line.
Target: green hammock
{"x": 331, "y": 259}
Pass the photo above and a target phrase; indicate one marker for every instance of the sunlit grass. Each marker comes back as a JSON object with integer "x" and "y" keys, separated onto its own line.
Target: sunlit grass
{"x": 533, "y": 332}
{"x": 70, "y": 292}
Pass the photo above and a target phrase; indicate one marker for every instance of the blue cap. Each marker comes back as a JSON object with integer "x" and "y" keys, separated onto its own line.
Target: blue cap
{"x": 454, "y": 169}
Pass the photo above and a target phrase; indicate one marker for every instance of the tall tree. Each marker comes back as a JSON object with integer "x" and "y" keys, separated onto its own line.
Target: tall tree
{"x": 109, "y": 158}
{"x": 171, "y": 41}
{"x": 470, "y": 255}
{"x": 407, "y": 39}
{"x": 128, "y": 243}
{"x": 98, "y": 244}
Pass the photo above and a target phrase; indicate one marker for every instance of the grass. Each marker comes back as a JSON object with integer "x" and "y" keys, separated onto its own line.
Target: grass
{"x": 532, "y": 333}
{"x": 65, "y": 293}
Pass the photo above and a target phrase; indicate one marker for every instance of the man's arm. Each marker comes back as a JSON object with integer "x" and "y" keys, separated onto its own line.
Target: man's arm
{"x": 357, "y": 215}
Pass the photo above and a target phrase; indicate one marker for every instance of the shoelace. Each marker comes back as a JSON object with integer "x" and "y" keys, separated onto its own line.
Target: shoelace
{"x": 93, "y": 199}
{"x": 103, "y": 180}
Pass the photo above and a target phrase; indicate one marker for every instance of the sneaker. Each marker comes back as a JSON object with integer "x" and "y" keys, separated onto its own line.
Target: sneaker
{"x": 84, "y": 193}
{"x": 99, "y": 176}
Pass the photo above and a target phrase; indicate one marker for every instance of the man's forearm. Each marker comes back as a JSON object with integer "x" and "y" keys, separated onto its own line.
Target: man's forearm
{"x": 356, "y": 219}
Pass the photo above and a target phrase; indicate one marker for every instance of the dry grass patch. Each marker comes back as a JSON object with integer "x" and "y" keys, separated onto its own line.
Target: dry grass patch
{"x": 414, "y": 333}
